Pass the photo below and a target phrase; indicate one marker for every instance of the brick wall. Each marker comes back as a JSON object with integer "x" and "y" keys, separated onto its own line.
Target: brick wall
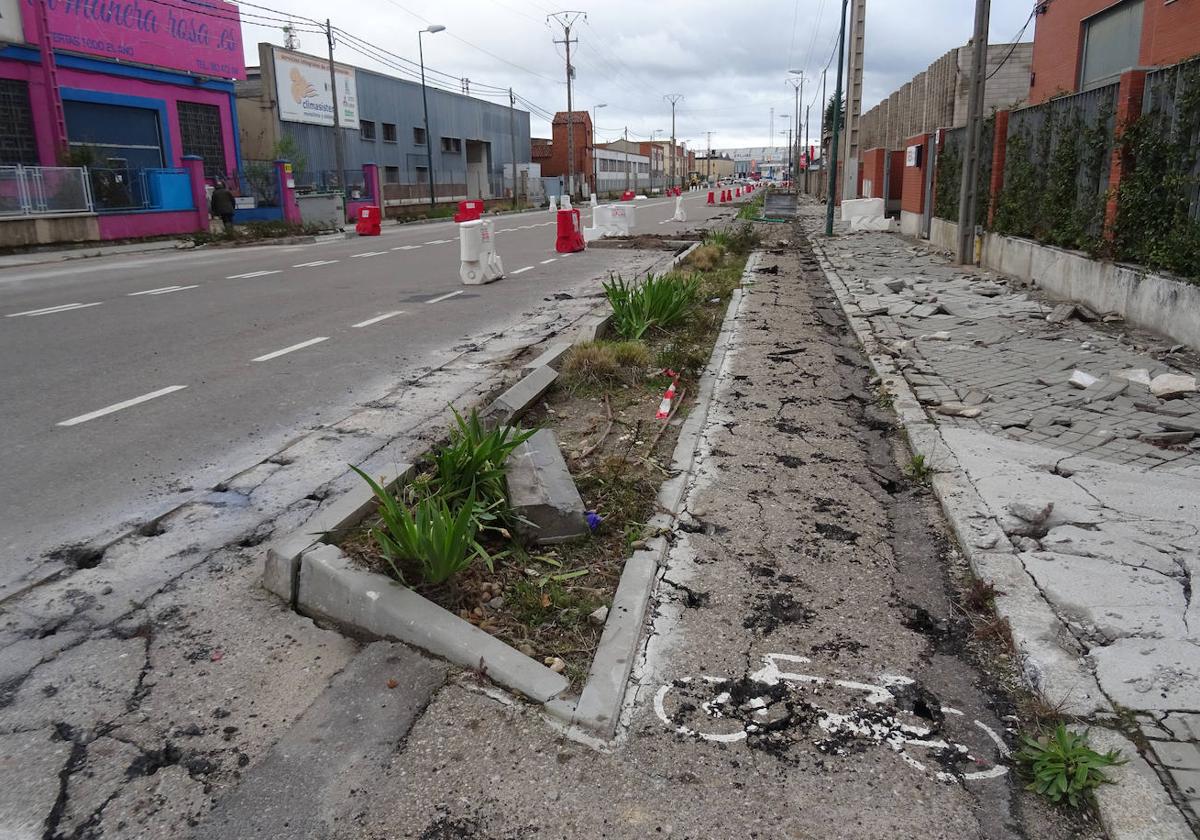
{"x": 872, "y": 172}
{"x": 553, "y": 156}
{"x": 1169, "y": 35}
{"x": 912, "y": 199}
{"x": 896, "y": 184}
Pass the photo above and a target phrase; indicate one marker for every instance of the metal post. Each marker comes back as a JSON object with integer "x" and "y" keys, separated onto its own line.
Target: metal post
{"x": 428, "y": 130}
{"x": 967, "y": 194}
{"x": 673, "y": 98}
{"x": 830, "y": 199}
{"x": 858, "y": 20}
{"x": 339, "y": 154}
{"x": 821, "y": 127}
{"x": 627, "y": 158}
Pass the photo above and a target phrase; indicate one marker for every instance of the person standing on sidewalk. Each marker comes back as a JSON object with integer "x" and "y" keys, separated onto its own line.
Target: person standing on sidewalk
{"x": 222, "y": 206}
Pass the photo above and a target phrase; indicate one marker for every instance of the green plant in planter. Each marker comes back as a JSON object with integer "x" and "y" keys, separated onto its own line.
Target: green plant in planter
{"x": 441, "y": 541}
{"x": 1061, "y": 765}
{"x": 661, "y": 301}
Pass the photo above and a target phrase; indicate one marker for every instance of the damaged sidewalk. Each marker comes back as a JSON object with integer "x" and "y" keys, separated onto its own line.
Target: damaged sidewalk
{"x": 1066, "y": 452}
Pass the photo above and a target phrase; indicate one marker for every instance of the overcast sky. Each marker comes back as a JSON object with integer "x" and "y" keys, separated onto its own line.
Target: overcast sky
{"x": 729, "y": 60}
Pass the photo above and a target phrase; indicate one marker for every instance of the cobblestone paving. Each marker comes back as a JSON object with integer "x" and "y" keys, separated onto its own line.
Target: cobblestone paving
{"x": 991, "y": 361}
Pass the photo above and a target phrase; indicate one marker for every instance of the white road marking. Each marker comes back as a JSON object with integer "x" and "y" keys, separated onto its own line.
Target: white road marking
{"x": 166, "y": 290}
{"x": 406, "y": 247}
{"x": 50, "y": 310}
{"x": 314, "y": 263}
{"x": 378, "y": 318}
{"x": 520, "y": 270}
{"x": 250, "y": 274}
{"x": 368, "y": 254}
{"x": 507, "y": 230}
{"x": 552, "y": 259}
{"x": 92, "y": 415}
{"x": 444, "y": 297}
{"x": 439, "y": 242}
{"x": 267, "y": 357}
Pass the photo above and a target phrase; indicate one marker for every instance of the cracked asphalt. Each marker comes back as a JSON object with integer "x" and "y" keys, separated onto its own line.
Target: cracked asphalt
{"x": 807, "y": 674}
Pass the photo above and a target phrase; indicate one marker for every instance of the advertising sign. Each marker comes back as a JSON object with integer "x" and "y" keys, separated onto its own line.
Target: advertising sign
{"x": 302, "y": 90}
{"x": 10, "y": 22}
{"x": 203, "y": 37}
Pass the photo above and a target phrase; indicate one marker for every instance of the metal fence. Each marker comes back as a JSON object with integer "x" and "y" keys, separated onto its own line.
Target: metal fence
{"x": 127, "y": 190}
{"x": 1056, "y": 168}
{"x": 1167, "y": 91}
{"x": 44, "y": 190}
{"x": 257, "y": 179}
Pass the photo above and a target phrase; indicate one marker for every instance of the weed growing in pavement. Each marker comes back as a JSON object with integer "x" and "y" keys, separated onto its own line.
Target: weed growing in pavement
{"x": 718, "y": 239}
{"x": 1061, "y": 765}
{"x": 752, "y": 209}
{"x": 594, "y": 364}
{"x": 659, "y": 302}
{"x": 918, "y": 469}
{"x": 744, "y": 239}
{"x": 884, "y": 398}
{"x": 438, "y": 540}
{"x": 704, "y": 258}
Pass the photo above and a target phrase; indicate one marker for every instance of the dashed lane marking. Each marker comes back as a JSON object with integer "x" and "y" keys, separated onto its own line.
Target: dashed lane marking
{"x": 368, "y": 254}
{"x": 406, "y": 247}
{"x": 165, "y": 290}
{"x": 92, "y": 415}
{"x": 439, "y": 241}
{"x": 314, "y": 263}
{"x": 268, "y": 356}
{"x": 52, "y": 310}
{"x": 446, "y": 296}
{"x": 250, "y": 274}
{"x": 378, "y": 318}
{"x": 547, "y": 262}
{"x": 522, "y": 270}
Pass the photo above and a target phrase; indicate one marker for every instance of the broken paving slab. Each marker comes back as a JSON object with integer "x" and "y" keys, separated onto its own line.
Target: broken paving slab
{"x": 1168, "y": 386}
{"x": 1149, "y": 674}
{"x": 541, "y": 490}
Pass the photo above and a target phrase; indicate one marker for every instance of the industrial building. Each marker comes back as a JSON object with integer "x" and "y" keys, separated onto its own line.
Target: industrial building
{"x": 382, "y": 123}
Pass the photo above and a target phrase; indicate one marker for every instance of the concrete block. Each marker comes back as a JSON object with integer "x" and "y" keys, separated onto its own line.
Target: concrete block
{"x": 283, "y": 564}
{"x": 551, "y": 356}
{"x": 593, "y": 327}
{"x": 350, "y": 731}
{"x": 1136, "y": 807}
{"x": 519, "y": 397}
{"x": 541, "y": 490}
{"x": 371, "y": 605}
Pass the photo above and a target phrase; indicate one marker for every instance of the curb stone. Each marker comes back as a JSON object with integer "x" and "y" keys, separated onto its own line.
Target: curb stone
{"x": 1138, "y": 807}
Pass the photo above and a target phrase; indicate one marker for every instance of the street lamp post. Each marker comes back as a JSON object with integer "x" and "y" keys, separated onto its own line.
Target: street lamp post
{"x": 789, "y": 156}
{"x": 595, "y": 157}
{"x": 799, "y": 94}
{"x": 425, "y": 101}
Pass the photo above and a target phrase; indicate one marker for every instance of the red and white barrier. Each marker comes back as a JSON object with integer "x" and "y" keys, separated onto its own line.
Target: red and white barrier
{"x": 664, "y": 407}
{"x": 477, "y": 251}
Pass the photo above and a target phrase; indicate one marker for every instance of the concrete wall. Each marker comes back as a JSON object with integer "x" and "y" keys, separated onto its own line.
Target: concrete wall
{"x": 147, "y": 223}
{"x": 46, "y": 230}
{"x": 1169, "y": 35}
{"x": 1165, "y": 305}
{"x": 943, "y": 234}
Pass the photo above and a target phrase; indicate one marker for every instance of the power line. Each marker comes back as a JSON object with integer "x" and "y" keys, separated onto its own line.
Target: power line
{"x": 1015, "y": 41}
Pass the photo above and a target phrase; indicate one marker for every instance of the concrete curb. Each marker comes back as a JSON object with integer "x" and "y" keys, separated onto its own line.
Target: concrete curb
{"x": 603, "y": 695}
{"x": 1127, "y": 811}
{"x": 42, "y": 258}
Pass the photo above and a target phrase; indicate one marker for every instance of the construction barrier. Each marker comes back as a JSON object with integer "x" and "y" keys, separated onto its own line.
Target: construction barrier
{"x": 477, "y": 251}
{"x": 712, "y": 197}
{"x": 679, "y": 216}
{"x": 368, "y": 223}
{"x": 553, "y": 205}
{"x": 469, "y": 210}
{"x": 570, "y": 232}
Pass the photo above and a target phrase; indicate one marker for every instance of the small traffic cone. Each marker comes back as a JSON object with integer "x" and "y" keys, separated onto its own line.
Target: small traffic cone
{"x": 739, "y": 192}
{"x": 712, "y": 197}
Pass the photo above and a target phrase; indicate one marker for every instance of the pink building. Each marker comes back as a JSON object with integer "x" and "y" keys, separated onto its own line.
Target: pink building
{"x": 139, "y": 92}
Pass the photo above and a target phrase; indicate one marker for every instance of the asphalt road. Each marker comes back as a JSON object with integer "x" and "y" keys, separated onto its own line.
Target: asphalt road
{"x": 129, "y": 383}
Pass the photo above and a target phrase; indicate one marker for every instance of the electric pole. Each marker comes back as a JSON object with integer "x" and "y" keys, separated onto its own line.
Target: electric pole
{"x": 512, "y": 130}
{"x": 858, "y": 22}
{"x": 967, "y": 194}
{"x": 339, "y": 154}
{"x": 708, "y": 158}
{"x": 627, "y": 158}
{"x": 673, "y": 98}
{"x": 566, "y": 20}
{"x": 291, "y": 41}
{"x": 830, "y": 199}
{"x": 798, "y": 92}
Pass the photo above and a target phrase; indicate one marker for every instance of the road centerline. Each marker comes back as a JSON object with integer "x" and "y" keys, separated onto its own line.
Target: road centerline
{"x": 368, "y": 254}
{"x": 266, "y": 357}
{"x": 377, "y": 319}
{"x": 250, "y": 274}
{"x": 441, "y": 298}
{"x": 100, "y": 412}
{"x": 522, "y": 270}
{"x": 547, "y": 262}
{"x": 52, "y": 310}
{"x": 314, "y": 263}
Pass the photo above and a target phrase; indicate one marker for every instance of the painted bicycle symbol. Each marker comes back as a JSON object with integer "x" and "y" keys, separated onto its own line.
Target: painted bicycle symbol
{"x": 771, "y": 702}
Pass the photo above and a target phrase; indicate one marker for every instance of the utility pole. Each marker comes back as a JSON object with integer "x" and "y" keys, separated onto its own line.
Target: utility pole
{"x": 830, "y": 201}
{"x": 512, "y": 130}
{"x": 821, "y": 128}
{"x": 968, "y": 194}
{"x": 708, "y": 158}
{"x": 789, "y": 145}
{"x": 339, "y": 153}
{"x": 290, "y": 39}
{"x": 673, "y": 98}
{"x": 566, "y": 20}
{"x": 798, "y": 92}
{"x": 858, "y": 23}
{"x": 627, "y": 158}
{"x": 807, "y": 156}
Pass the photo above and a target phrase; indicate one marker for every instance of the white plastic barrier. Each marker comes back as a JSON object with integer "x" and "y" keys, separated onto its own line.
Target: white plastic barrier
{"x": 865, "y": 214}
{"x": 553, "y": 205}
{"x": 593, "y": 201}
{"x": 477, "y": 251}
{"x": 611, "y": 220}
{"x": 624, "y": 218}
{"x": 679, "y": 216}
{"x": 566, "y": 202}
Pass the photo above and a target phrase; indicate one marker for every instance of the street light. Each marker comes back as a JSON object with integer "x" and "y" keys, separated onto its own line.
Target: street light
{"x": 799, "y": 92}
{"x": 425, "y": 101}
{"x": 595, "y": 159}
{"x": 781, "y": 132}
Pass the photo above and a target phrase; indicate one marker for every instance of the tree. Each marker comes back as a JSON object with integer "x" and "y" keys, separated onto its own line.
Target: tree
{"x": 829, "y": 107}
{"x": 288, "y": 149}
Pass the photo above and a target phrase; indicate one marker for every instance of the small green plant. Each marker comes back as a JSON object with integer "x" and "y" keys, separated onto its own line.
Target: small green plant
{"x": 918, "y": 469}
{"x": 744, "y": 239}
{"x": 705, "y": 258}
{"x": 440, "y": 541}
{"x": 631, "y": 354}
{"x": 1061, "y": 765}
{"x": 659, "y": 302}
{"x": 473, "y": 465}
{"x": 717, "y": 239}
{"x": 590, "y": 363}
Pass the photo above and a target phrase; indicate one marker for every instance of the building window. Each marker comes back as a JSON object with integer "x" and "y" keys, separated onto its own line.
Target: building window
{"x": 200, "y": 135}
{"x": 422, "y": 174}
{"x": 452, "y": 145}
{"x": 113, "y": 136}
{"x": 389, "y": 132}
{"x": 366, "y": 129}
{"x": 17, "y": 142}
{"x": 1111, "y": 43}
{"x": 391, "y": 174}
{"x": 418, "y": 136}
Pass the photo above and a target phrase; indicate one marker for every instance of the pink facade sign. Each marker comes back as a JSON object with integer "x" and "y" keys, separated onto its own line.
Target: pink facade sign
{"x": 196, "y": 36}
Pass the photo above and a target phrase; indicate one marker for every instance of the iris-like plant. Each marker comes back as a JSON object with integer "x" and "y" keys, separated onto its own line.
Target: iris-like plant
{"x": 659, "y": 302}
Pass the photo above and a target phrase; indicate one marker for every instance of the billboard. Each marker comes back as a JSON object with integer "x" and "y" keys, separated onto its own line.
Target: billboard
{"x": 10, "y": 22}
{"x": 203, "y": 37}
{"x": 302, "y": 90}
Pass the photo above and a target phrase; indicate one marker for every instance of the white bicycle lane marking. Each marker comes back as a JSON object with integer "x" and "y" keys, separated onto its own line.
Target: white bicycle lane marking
{"x": 869, "y": 722}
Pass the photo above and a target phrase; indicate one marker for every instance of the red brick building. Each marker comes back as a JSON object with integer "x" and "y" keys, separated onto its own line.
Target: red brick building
{"x": 1080, "y": 44}
{"x": 552, "y": 153}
